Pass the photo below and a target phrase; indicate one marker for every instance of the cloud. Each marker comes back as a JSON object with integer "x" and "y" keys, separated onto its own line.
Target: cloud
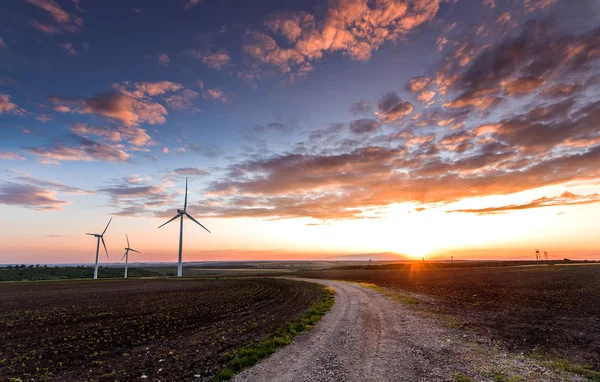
{"x": 129, "y": 104}
{"x": 127, "y": 191}
{"x": 523, "y": 85}
{"x": 207, "y": 151}
{"x": 361, "y": 107}
{"x": 561, "y": 90}
{"x": 190, "y": 171}
{"x": 136, "y": 198}
{"x": 125, "y": 109}
{"x": 533, "y": 5}
{"x": 84, "y": 149}
{"x": 52, "y": 185}
{"x": 184, "y": 100}
{"x": 418, "y": 84}
{"x": 5, "y": 155}
{"x": 216, "y": 95}
{"x": 61, "y": 20}
{"x": 163, "y": 60}
{"x": 69, "y": 48}
{"x": 345, "y": 186}
{"x": 391, "y": 108}
{"x": 133, "y": 134}
{"x": 524, "y": 62}
{"x": 191, "y": 3}
{"x": 363, "y": 126}
{"x": 356, "y": 28}
{"x": 43, "y": 118}
{"x": 8, "y": 107}
{"x": 565, "y": 199}
{"x": 214, "y": 60}
{"x": 426, "y": 96}
{"x": 155, "y": 88}
{"x": 258, "y": 131}
{"x": 25, "y": 195}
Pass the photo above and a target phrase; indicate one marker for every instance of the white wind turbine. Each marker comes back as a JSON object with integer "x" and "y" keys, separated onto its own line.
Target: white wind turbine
{"x": 126, "y": 255}
{"x": 100, "y": 236}
{"x": 180, "y": 214}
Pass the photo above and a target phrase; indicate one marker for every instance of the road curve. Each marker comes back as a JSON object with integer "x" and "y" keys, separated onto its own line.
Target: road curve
{"x": 366, "y": 336}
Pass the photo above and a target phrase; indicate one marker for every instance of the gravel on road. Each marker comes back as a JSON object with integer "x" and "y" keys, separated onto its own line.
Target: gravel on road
{"x": 370, "y": 336}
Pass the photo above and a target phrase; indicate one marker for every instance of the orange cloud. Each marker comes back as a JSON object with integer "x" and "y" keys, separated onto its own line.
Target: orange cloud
{"x": 391, "y": 108}
{"x": 354, "y": 27}
{"x": 565, "y": 199}
{"x": 523, "y": 85}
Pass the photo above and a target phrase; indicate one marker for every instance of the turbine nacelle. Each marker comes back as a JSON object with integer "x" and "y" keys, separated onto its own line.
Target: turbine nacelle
{"x": 180, "y": 211}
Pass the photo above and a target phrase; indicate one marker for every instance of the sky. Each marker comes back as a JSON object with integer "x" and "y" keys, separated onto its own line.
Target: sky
{"x": 306, "y": 129}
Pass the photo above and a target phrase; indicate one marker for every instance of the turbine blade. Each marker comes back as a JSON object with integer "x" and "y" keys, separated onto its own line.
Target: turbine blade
{"x": 104, "y": 244}
{"x": 185, "y": 203}
{"x": 107, "y": 226}
{"x": 174, "y": 217}
{"x": 196, "y": 221}
{"x": 92, "y": 234}
{"x": 134, "y": 250}
{"x": 124, "y": 255}
{"x": 127, "y": 241}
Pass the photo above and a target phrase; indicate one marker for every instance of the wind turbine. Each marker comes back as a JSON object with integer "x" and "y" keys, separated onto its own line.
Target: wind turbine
{"x": 180, "y": 214}
{"x": 126, "y": 255}
{"x": 100, "y": 236}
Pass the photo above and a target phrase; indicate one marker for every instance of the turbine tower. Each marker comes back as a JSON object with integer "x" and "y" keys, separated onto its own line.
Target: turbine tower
{"x": 100, "y": 236}
{"x": 126, "y": 255}
{"x": 180, "y": 214}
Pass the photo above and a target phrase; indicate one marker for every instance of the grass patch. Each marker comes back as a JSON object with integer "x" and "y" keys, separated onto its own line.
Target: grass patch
{"x": 409, "y": 300}
{"x": 500, "y": 377}
{"x": 460, "y": 377}
{"x": 395, "y": 295}
{"x": 245, "y": 357}
{"x": 561, "y": 364}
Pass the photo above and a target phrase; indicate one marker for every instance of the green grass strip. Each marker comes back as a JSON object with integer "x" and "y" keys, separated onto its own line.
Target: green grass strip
{"x": 244, "y": 357}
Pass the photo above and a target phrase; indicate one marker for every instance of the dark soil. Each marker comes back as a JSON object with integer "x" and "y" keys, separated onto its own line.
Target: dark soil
{"x": 553, "y": 310}
{"x": 166, "y": 329}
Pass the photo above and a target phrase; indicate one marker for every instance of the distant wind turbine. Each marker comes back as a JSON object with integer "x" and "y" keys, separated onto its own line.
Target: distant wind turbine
{"x": 180, "y": 214}
{"x": 100, "y": 236}
{"x": 126, "y": 255}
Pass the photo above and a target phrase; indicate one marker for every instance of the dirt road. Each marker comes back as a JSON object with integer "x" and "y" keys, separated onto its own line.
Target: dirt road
{"x": 369, "y": 336}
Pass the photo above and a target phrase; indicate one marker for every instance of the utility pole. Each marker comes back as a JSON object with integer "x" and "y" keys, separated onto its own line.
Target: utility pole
{"x": 537, "y": 256}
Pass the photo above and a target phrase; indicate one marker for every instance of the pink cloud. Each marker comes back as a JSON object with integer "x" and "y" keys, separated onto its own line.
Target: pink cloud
{"x": 191, "y": 3}
{"x": 163, "y": 59}
{"x": 214, "y": 60}
{"x": 8, "y": 107}
{"x": 63, "y": 20}
{"x": 25, "y": 195}
{"x": 217, "y": 95}
{"x": 5, "y": 155}
{"x": 69, "y": 48}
